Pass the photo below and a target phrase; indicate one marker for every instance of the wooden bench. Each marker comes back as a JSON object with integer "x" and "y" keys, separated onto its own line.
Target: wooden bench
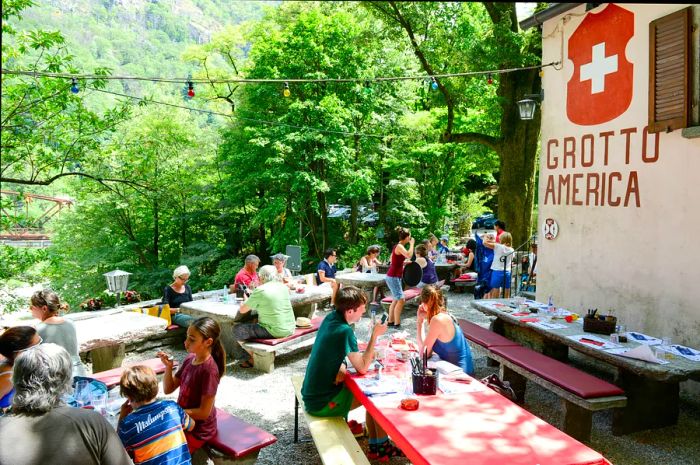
{"x": 264, "y": 350}
{"x": 236, "y": 442}
{"x": 111, "y": 377}
{"x": 413, "y": 295}
{"x": 334, "y": 441}
{"x": 581, "y": 394}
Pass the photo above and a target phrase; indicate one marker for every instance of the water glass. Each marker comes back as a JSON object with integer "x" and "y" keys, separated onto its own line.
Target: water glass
{"x": 82, "y": 393}
{"x": 99, "y": 401}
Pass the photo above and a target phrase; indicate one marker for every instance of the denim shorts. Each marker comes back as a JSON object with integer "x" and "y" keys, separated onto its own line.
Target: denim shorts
{"x": 497, "y": 279}
{"x": 395, "y": 286}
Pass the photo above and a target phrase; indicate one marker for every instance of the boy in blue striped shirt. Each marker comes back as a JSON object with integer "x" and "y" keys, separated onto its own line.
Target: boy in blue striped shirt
{"x": 152, "y": 431}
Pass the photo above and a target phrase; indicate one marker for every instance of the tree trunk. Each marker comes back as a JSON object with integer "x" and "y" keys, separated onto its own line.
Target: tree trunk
{"x": 518, "y": 155}
{"x": 156, "y": 232}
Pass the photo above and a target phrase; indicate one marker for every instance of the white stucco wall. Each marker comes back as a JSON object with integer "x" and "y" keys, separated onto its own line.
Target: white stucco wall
{"x": 643, "y": 261}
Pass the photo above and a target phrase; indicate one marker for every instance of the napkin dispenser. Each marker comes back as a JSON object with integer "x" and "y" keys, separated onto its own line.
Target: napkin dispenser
{"x": 598, "y": 326}
{"x": 425, "y": 384}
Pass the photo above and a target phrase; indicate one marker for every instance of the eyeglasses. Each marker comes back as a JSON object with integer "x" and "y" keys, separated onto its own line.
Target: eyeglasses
{"x": 184, "y": 279}
{"x": 30, "y": 347}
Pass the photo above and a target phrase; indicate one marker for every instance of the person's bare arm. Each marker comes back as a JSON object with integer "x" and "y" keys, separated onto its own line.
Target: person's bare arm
{"x": 362, "y": 361}
{"x": 170, "y": 382}
{"x": 322, "y": 277}
{"x": 202, "y": 412}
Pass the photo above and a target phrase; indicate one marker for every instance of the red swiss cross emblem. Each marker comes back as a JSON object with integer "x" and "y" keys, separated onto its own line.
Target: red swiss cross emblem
{"x": 601, "y": 86}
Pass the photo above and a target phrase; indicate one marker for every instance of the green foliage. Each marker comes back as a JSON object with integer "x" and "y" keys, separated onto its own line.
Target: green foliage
{"x": 24, "y": 264}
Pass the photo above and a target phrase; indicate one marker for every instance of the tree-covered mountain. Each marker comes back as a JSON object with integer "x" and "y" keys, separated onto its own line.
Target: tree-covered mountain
{"x": 137, "y": 37}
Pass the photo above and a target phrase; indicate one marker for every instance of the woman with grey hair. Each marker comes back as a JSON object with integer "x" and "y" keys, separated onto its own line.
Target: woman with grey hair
{"x": 41, "y": 428}
{"x": 176, "y": 294}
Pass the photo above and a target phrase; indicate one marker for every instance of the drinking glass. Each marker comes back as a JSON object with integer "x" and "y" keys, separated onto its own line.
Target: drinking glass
{"x": 82, "y": 393}
{"x": 99, "y": 401}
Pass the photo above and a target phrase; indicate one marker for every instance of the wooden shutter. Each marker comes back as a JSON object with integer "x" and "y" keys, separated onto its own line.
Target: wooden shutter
{"x": 669, "y": 71}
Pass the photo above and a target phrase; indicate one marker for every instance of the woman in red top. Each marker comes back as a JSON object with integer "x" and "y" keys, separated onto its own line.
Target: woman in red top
{"x": 395, "y": 274}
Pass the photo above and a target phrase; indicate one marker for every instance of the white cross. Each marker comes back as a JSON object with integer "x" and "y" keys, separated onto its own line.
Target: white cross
{"x": 598, "y": 68}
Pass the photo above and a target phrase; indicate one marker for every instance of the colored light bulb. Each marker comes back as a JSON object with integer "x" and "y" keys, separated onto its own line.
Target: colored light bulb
{"x": 434, "y": 85}
{"x": 74, "y": 86}
{"x": 190, "y": 90}
{"x": 286, "y": 92}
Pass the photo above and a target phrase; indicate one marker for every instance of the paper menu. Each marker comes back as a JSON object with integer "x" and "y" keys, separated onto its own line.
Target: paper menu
{"x": 682, "y": 351}
{"x": 594, "y": 342}
{"x": 642, "y": 338}
{"x": 642, "y": 352}
{"x": 546, "y": 325}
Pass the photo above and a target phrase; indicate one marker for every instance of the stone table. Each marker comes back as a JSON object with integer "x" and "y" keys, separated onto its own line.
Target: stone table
{"x": 226, "y": 313}
{"x": 366, "y": 281}
{"x": 652, "y": 389}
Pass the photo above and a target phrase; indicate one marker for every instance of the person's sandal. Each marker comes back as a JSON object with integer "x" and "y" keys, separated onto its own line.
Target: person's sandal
{"x": 387, "y": 450}
{"x": 246, "y": 364}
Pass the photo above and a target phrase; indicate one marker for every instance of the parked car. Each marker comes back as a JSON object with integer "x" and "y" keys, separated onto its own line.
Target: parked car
{"x": 343, "y": 213}
{"x": 485, "y": 221}
{"x": 371, "y": 220}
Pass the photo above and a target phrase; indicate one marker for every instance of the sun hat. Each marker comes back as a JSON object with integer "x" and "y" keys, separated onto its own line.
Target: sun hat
{"x": 444, "y": 237}
{"x": 280, "y": 256}
{"x": 303, "y": 322}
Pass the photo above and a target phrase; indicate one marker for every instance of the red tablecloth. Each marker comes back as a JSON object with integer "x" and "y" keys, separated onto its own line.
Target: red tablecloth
{"x": 478, "y": 428}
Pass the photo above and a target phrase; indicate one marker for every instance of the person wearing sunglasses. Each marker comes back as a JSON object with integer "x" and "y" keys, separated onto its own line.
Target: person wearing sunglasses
{"x": 46, "y": 306}
{"x": 176, "y": 294}
{"x": 13, "y": 342}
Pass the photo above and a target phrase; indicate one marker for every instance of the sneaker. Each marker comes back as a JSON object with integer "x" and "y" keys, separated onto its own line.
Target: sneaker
{"x": 357, "y": 429}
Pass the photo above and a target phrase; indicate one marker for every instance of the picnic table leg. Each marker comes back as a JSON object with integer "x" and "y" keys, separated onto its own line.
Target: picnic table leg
{"x": 650, "y": 404}
{"x": 108, "y": 357}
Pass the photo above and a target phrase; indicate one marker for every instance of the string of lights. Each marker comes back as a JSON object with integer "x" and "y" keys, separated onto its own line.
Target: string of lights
{"x": 238, "y": 117}
{"x": 190, "y": 80}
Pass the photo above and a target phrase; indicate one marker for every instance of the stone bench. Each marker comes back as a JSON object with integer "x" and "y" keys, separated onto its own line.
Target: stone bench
{"x": 581, "y": 394}
{"x": 412, "y": 295}
{"x": 264, "y": 350}
{"x": 334, "y": 441}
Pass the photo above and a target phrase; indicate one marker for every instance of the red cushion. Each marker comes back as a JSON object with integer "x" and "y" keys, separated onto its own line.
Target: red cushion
{"x": 482, "y": 336}
{"x": 111, "y": 377}
{"x": 565, "y": 376}
{"x": 236, "y": 438}
{"x": 315, "y": 324}
{"x": 408, "y": 294}
{"x": 466, "y": 277}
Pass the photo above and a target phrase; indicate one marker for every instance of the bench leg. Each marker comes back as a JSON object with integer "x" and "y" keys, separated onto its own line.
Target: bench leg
{"x": 296, "y": 420}
{"x": 106, "y": 358}
{"x": 577, "y": 421}
{"x": 217, "y": 458}
{"x": 517, "y": 382}
{"x": 264, "y": 361}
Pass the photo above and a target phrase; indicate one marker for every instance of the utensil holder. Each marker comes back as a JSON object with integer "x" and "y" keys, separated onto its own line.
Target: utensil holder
{"x": 425, "y": 384}
{"x": 594, "y": 325}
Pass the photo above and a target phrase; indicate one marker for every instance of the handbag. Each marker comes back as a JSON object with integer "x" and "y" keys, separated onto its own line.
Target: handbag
{"x": 500, "y": 386}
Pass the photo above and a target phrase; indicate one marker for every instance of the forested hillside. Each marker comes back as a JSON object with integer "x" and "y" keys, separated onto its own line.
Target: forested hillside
{"x": 368, "y": 120}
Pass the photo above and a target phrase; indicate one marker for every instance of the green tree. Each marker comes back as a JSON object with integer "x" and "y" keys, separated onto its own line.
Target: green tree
{"x": 457, "y": 37}
{"x": 47, "y": 131}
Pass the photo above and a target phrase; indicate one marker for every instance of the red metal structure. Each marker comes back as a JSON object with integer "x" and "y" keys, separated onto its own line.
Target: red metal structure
{"x": 22, "y": 227}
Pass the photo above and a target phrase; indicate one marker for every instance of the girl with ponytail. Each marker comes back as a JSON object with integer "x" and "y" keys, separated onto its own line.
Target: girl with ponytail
{"x": 198, "y": 379}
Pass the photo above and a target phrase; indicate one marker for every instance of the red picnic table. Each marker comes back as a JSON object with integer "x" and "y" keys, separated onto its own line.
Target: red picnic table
{"x": 478, "y": 427}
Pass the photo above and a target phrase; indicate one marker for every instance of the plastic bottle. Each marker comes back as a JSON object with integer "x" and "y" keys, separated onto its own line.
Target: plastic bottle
{"x": 225, "y": 294}
{"x": 551, "y": 309}
{"x": 373, "y": 314}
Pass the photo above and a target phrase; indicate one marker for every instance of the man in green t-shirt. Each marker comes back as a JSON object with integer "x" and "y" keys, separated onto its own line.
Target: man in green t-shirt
{"x": 323, "y": 391}
{"x": 275, "y": 314}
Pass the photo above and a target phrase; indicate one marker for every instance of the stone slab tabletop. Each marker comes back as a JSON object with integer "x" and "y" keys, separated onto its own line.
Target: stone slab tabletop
{"x": 679, "y": 368}
{"x": 103, "y": 327}
{"x": 229, "y": 310}
{"x": 116, "y": 328}
{"x": 361, "y": 280}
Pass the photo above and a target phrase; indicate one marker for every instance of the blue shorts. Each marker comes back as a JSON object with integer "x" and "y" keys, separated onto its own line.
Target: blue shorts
{"x": 395, "y": 286}
{"x": 497, "y": 279}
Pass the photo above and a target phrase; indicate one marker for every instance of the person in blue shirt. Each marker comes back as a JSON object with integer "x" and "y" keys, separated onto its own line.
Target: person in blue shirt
{"x": 484, "y": 259}
{"x": 152, "y": 431}
{"x": 442, "y": 245}
{"x": 325, "y": 274}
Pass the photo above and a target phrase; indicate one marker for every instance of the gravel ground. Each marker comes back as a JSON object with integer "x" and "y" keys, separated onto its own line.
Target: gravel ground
{"x": 267, "y": 400}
